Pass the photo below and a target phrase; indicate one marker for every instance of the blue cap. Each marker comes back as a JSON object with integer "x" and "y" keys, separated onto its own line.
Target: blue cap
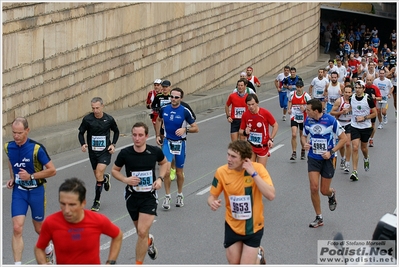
{"x": 353, "y": 51}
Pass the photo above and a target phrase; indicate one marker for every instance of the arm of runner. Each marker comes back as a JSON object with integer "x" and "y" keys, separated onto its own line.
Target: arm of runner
{"x": 115, "y": 246}
{"x": 334, "y": 110}
{"x": 158, "y": 130}
{"x": 214, "y": 202}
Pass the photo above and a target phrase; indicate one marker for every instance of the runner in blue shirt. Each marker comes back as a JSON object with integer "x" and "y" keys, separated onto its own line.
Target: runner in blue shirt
{"x": 322, "y": 129}
{"x": 176, "y": 118}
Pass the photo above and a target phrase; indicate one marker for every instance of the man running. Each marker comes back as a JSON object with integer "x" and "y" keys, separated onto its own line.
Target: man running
{"x": 140, "y": 161}
{"x": 282, "y": 91}
{"x": 98, "y": 125}
{"x": 296, "y": 108}
{"x": 333, "y": 90}
{"x": 244, "y": 183}
{"x": 321, "y": 128}
{"x": 318, "y": 86}
{"x": 363, "y": 110}
{"x": 255, "y": 124}
{"x": 176, "y": 118}
{"x": 342, "y": 111}
{"x": 386, "y": 88}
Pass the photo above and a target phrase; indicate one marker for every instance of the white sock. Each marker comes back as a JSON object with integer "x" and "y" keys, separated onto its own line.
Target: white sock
{"x": 18, "y": 263}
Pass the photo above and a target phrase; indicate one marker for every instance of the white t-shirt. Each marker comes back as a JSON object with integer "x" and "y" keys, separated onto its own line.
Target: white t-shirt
{"x": 342, "y": 74}
{"x": 318, "y": 87}
{"x": 280, "y": 78}
{"x": 384, "y": 86}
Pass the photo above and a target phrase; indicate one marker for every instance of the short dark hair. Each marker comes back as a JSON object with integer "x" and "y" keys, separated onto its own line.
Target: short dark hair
{"x": 74, "y": 185}
{"x": 332, "y": 61}
{"x": 141, "y": 124}
{"x": 315, "y": 104}
{"x": 293, "y": 68}
{"x": 245, "y": 81}
{"x": 334, "y": 72}
{"x": 250, "y": 97}
{"x": 177, "y": 89}
{"x": 241, "y": 147}
{"x": 286, "y": 67}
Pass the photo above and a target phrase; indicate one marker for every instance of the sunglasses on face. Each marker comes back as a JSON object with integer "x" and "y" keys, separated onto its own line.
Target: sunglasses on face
{"x": 174, "y": 97}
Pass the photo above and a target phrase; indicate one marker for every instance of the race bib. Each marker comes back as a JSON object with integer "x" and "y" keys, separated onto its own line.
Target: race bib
{"x": 238, "y": 112}
{"x": 146, "y": 181}
{"x": 255, "y": 138}
{"x": 384, "y": 99}
{"x": 319, "y": 146}
{"x": 241, "y": 208}
{"x": 175, "y": 147}
{"x": 298, "y": 117}
{"x": 164, "y": 102}
{"x": 319, "y": 93}
{"x": 25, "y": 184}
{"x": 98, "y": 143}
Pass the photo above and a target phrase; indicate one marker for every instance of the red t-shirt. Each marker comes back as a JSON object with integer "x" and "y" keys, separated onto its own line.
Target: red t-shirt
{"x": 373, "y": 89}
{"x": 238, "y": 105}
{"x": 259, "y": 124}
{"x": 76, "y": 243}
{"x": 353, "y": 65}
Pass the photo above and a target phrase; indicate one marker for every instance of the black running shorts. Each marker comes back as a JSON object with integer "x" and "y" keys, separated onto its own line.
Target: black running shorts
{"x": 326, "y": 168}
{"x": 230, "y": 237}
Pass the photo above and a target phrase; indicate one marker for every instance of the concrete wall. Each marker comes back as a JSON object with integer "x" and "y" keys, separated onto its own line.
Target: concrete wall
{"x": 57, "y": 56}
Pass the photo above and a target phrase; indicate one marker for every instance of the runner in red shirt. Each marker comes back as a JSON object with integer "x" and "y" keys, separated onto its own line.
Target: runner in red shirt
{"x": 150, "y": 98}
{"x": 255, "y": 124}
{"x": 353, "y": 64}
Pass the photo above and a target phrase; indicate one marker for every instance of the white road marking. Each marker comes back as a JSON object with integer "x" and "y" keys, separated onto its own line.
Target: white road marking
{"x": 125, "y": 235}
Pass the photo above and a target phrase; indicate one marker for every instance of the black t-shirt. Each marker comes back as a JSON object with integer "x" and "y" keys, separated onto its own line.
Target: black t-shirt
{"x": 141, "y": 165}
{"x": 160, "y": 100}
{"x": 98, "y": 132}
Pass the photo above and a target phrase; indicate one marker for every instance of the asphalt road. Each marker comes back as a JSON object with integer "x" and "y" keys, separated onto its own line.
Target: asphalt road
{"x": 194, "y": 234}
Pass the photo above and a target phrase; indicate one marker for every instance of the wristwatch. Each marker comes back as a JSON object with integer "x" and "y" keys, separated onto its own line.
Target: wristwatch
{"x": 111, "y": 262}
{"x": 271, "y": 139}
{"x": 32, "y": 177}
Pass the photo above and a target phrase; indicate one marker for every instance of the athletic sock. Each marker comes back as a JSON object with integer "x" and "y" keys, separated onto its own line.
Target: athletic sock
{"x": 99, "y": 189}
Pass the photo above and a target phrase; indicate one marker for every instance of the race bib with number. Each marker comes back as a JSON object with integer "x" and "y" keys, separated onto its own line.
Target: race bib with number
{"x": 255, "y": 138}
{"x": 98, "y": 143}
{"x": 319, "y": 146}
{"x": 238, "y": 112}
{"x": 175, "y": 147}
{"x": 25, "y": 184}
{"x": 332, "y": 100}
{"x": 241, "y": 208}
{"x": 298, "y": 117}
{"x": 384, "y": 99}
{"x": 164, "y": 102}
{"x": 319, "y": 93}
{"x": 146, "y": 181}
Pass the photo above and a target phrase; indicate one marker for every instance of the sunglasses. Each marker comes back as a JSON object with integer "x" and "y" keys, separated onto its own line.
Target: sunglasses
{"x": 174, "y": 97}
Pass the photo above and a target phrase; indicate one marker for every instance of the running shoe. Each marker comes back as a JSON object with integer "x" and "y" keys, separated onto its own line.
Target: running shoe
{"x": 261, "y": 255}
{"x": 284, "y": 118}
{"x": 50, "y": 255}
{"x": 96, "y": 206}
{"x": 380, "y": 126}
{"x": 371, "y": 142}
{"x": 172, "y": 174}
{"x": 342, "y": 164}
{"x": 366, "y": 163}
{"x": 317, "y": 222}
{"x": 303, "y": 156}
{"x": 332, "y": 202}
{"x": 179, "y": 201}
{"x": 293, "y": 156}
{"x": 152, "y": 250}
{"x": 385, "y": 119}
{"x": 166, "y": 203}
{"x": 107, "y": 182}
{"x": 346, "y": 169}
{"x": 354, "y": 176}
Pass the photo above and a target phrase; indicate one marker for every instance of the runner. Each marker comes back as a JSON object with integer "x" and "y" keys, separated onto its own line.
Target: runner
{"x": 243, "y": 183}
{"x": 321, "y": 128}
{"x": 296, "y": 108}
{"x": 282, "y": 91}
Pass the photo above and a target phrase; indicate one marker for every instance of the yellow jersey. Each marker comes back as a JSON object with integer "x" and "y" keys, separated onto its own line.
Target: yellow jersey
{"x": 244, "y": 206}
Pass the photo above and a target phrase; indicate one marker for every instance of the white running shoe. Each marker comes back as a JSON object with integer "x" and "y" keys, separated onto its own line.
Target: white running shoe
{"x": 385, "y": 119}
{"x": 380, "y": 126}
